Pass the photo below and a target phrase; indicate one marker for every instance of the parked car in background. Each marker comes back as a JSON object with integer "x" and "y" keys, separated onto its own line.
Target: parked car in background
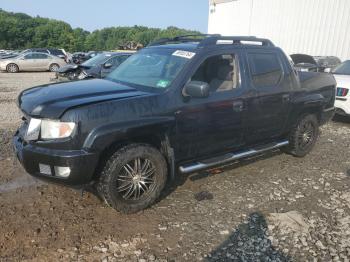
{"x": 304, "y": 63}
{"x": 4, "y": 53}
{"x": 61, "y": 53}
{"x": 178, "y": 106}
{"x": 327, "y": 63}
{"x": 342, "y": 99}
{"x": 32, "y": 61}
{"x": 97, "y": 67}
{"x": 13, "y": 54}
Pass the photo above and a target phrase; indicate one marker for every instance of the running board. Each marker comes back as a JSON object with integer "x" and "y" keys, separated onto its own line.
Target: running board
{"x": 229, "y": 157}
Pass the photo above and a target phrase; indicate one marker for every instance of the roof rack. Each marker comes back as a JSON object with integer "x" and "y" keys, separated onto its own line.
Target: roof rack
{"x": 213, "y": 39}
{"x": 182, "y": 39}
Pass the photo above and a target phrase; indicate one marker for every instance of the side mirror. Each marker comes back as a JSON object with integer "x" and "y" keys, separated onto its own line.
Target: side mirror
{"x": 107, "y": 65}
{"x": 196, "y": 89}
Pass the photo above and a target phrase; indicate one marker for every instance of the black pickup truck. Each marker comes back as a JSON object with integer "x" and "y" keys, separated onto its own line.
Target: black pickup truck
{"x": 178, "y": 106}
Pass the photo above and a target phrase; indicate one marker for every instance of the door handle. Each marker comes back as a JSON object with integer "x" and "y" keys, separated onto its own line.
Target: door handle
{"x": 237, "y": 106}
{"x": 285, "y": 98}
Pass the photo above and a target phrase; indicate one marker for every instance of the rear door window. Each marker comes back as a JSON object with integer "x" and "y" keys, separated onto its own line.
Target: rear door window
{"x": 265, "y": 68}
{"x": 40, "y": 56}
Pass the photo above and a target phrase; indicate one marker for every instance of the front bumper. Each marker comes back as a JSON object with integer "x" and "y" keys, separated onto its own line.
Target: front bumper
{"x": 81, "y": 163}
{"x": 2, "y": 67}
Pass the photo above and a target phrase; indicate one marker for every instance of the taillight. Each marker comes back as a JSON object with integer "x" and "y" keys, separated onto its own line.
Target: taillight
{"x": 342, "y": 91}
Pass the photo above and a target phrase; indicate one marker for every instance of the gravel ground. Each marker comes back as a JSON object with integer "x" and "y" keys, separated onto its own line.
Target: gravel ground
{"x": 269, "y": 208}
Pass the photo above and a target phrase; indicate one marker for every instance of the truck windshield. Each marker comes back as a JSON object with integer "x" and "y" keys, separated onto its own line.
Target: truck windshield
{"x": 155, "y": 68}
{"x": 342, "y": 69}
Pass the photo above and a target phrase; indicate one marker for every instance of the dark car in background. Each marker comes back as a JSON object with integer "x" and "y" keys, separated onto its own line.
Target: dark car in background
{"x": 97, "y": 67}
{"x": 327, "y": 63}
{"x": 80, "y": 57}
{"x": 305, "y": 63}
{"x": 310, "y": 63}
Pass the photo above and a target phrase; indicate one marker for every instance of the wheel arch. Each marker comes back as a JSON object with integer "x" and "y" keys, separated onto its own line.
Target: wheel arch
{"x": 307, "y": 104}
{"x": 108, "y": 142}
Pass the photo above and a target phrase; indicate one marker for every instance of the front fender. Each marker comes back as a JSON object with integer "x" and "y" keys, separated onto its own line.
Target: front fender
{"x": 105, "y": 135}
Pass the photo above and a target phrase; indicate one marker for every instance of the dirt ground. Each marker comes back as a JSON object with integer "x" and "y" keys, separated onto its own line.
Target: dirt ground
{"x": 270, "y": 208}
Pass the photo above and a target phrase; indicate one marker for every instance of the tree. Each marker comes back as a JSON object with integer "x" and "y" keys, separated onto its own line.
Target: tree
{"x": 21, "y": 31}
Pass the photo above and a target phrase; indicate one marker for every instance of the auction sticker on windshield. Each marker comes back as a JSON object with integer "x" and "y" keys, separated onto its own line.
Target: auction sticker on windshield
{"x": 185, "y": 54}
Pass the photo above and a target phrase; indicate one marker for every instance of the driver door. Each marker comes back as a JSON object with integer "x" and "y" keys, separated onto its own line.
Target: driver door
{"x": 214, "y": 124}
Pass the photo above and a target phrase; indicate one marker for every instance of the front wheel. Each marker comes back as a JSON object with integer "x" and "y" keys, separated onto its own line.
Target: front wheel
{"x": 303, "y": 136}
{"x": 133, "y": 178}
{"x": 54, "y": 67}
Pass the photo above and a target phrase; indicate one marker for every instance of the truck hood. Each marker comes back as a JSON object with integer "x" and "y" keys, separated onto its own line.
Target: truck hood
{"x": 51, "y": 101}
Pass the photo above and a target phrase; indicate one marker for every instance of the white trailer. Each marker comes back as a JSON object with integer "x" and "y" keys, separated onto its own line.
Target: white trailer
{"x": 314, "y": 27}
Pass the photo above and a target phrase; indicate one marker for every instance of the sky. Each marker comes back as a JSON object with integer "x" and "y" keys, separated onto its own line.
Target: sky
{"x": 92, "y": 14}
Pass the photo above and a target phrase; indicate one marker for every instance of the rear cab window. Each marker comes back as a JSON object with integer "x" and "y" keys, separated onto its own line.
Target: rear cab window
{"x": 265, "y": 68}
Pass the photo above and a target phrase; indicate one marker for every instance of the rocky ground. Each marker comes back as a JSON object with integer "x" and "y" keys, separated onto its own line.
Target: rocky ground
{"x": 270, "y": 208}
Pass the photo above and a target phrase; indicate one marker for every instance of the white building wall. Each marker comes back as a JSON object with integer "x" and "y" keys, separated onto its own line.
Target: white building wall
{"x": 315, "y": 27}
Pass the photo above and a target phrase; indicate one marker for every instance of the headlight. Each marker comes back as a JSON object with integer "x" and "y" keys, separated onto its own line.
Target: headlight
{"x": 48, "y": 129}
{"x": 55, "y": 129}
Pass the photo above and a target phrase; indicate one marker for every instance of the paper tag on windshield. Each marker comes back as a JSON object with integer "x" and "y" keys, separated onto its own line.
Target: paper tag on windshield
{"x": 184, "y": 54}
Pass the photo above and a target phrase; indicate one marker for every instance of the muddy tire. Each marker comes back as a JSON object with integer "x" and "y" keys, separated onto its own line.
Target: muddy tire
{"x": 54, "y": 67}
{"x": 303, "y": 136}
{"x": 12, "y": 68}
{"x": 133, "y": 178}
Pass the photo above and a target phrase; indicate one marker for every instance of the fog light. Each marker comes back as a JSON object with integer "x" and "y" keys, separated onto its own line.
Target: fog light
{"x": 45, "y": 169}
{"x": 62, "y": 171}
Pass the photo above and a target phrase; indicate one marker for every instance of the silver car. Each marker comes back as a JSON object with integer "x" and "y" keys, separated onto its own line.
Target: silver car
{"x": 33, "y": 61}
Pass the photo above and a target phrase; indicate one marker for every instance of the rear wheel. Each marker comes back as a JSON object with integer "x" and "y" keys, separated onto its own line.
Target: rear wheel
{"x": 303, "y": 136}
{"x": 133, "y": 178}
{"x": 54, "y": 67}
{"x": 12, "y": 68}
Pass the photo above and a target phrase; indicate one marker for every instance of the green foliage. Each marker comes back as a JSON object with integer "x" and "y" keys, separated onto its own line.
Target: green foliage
{"x": 20, "y": 31}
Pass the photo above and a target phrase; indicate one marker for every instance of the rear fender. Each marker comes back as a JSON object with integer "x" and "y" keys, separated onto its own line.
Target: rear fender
{"x": 306, "y": 104}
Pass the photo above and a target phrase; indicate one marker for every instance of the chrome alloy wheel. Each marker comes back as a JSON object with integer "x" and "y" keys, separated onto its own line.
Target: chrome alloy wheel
{"x": 306, "y": 135}
{"x": 136, "y": 179}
